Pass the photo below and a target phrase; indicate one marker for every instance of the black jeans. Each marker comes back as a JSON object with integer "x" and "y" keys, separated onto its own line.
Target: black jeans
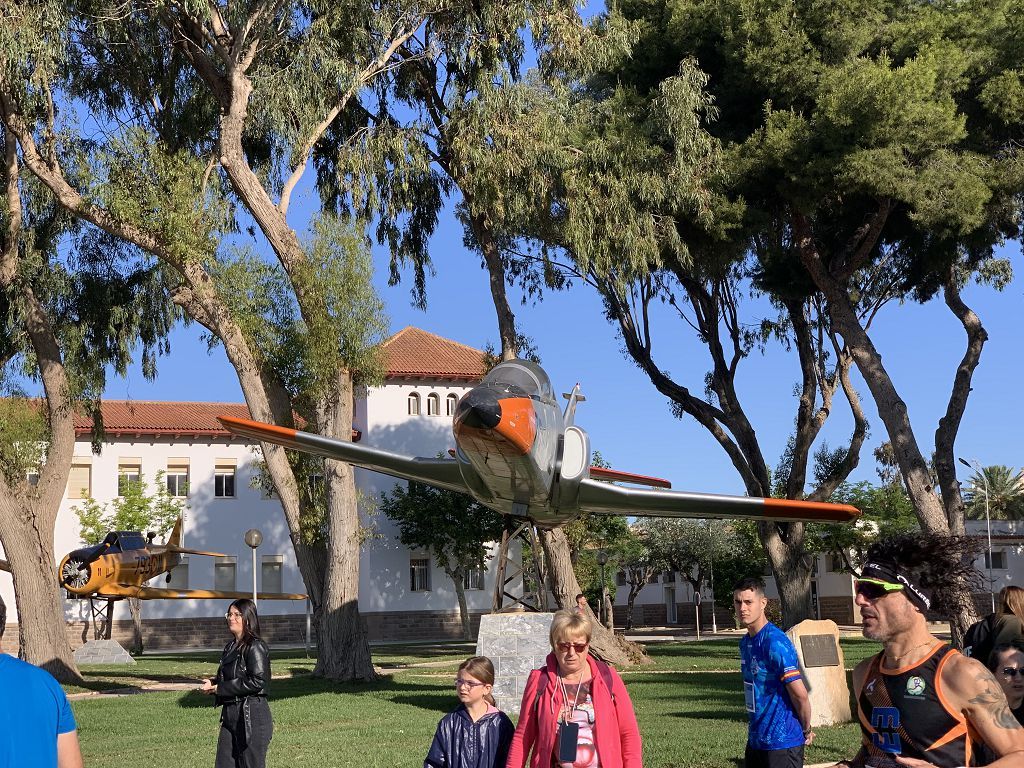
{"x": 245, "y": 733}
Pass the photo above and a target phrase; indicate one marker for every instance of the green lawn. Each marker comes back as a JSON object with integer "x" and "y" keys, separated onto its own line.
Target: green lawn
{"x": 689, "y": 704}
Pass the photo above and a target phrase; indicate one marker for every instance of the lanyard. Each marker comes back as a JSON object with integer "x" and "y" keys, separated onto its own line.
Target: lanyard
{"x": 575, "y": 699}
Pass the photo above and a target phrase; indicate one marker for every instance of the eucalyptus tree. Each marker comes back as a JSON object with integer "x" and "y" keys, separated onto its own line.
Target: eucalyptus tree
{"x": 448, "y": 124}
{"x": 197, "y": 122}
{"x": 75, "y": 305}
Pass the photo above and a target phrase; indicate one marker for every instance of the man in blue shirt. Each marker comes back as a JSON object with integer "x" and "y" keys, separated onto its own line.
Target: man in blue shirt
{"x": 36, "y": 725}
{"x": 776, "y": 699}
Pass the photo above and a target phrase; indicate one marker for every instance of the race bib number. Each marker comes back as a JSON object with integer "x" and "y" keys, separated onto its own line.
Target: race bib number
{"x": 750, "y": 697}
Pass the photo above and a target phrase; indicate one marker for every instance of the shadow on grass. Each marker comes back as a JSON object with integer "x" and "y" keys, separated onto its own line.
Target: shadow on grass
{"x": 428, "y": 696}
{"x": 712, "y": 714}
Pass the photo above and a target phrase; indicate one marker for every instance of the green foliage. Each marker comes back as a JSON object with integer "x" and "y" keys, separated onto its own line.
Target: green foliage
{"x": 23, "y": 437}
{"x": 452, "y": 526}
{"x": 1002, "y": 489}
{"x": 136, "y": 509}
{"x": 887, "y": 511}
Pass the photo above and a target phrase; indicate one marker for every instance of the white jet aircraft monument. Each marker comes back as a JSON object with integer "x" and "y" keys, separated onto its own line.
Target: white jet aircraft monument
{"x": 520, "y": 455}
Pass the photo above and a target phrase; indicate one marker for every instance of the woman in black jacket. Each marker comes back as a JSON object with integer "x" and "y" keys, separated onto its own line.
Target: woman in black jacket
{"x": 241, "y": 689}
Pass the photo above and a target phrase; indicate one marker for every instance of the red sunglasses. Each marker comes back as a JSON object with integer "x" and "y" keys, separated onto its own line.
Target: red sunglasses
{"x": 578, "y": 647}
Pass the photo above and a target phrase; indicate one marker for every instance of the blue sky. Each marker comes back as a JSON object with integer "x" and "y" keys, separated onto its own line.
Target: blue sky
{"x": 628, "y": 420}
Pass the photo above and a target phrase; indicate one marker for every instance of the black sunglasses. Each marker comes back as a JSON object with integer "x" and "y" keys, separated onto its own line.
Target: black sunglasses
{"x": 873, "y": 591}
{"x": 1010, "y": 671}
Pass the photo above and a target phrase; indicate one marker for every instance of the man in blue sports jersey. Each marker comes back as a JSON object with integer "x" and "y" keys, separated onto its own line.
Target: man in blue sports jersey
{"x": 37, "y": 728}
{"x": 776, "y": 699}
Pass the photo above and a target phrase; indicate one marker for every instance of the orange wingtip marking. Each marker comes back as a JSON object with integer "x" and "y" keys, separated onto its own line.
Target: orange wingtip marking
{"x": 250, "y": 428}
{"x": 601, "y": 473}
{"x": 811, "y": 510}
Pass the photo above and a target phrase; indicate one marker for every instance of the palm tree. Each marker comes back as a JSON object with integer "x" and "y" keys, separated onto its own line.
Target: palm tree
{"x": 1005, "y": 491}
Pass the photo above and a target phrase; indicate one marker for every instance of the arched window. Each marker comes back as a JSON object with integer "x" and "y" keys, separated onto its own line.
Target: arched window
{"x": 414, "y": 404}
{"x": 450, "y": 403}
{"x": 433, "y": 404}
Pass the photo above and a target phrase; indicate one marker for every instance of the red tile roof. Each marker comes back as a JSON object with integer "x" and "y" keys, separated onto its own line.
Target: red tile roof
{"x": 414, "y": 353}
{"x": 410, "y": 353}
{"x": 145, "y": 417}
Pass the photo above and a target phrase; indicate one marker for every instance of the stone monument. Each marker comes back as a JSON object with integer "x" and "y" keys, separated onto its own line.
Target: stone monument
{"x": 516, "y": 643}
{"x": 821, "y": 662}
{"x": 103, "y": 652}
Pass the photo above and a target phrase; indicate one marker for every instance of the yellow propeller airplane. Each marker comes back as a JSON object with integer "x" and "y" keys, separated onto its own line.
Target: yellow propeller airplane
{"x": 121, "y": 564}
{"x": 517, "y": 453}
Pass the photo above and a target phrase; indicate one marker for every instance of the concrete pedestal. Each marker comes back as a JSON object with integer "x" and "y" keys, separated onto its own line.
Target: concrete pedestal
{"x": 516, "y": 643}
{"x": 103, "y": 652}
{"x": 824, "y": 671}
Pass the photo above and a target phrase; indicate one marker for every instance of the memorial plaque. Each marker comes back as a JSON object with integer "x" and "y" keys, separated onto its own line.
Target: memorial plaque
{"x": 819, "y": 650}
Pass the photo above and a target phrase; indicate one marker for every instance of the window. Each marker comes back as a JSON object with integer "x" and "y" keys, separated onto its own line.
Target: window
{"x": 835, "y": 562}
{"x": 668, "y": 577}
{"x": 270, "y": 573}
{"x": 178, "y": 577}
{"x": 433, "y": 404}
{"x": 419, "y": 574}
{"x": 998, "y": 560}
{"x": 474, "y": 579}
{"x": 620, "y": 578}
{"x": 224, "y": 478}
{"x": 176, "y": 477}
{"x": 449, "y": 405}
{"x": 80, "y": 479}
{"x": 129, "y": 472}
{"x": 414, "y": 404}
{"x": 225, "y": 571}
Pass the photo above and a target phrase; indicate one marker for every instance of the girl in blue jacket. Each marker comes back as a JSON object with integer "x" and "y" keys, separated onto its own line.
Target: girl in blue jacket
{"x": 477, "y": 733}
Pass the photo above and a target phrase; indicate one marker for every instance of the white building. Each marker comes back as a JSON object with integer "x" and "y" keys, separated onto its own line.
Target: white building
{"x": 402, "y": 593}
{"x": 668, "y": 600}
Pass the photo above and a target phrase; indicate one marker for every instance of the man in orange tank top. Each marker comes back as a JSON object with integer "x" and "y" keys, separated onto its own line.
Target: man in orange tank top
{"x": 920, "y": 702}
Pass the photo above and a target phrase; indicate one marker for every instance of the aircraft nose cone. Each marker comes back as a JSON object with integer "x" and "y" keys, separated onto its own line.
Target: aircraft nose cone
{"x": 479, "y": 409}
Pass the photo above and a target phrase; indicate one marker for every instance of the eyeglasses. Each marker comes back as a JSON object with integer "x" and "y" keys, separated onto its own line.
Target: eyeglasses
{"x": 471, "y": 684}
{"x": 578, "y": 647}
{"x": 872, "y": 589}
{"x": 1011, "y": 672}
{"x": 232, "y": 614}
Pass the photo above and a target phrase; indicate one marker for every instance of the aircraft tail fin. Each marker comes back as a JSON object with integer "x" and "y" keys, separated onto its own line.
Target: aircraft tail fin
{"x": 573, "y": 397}
{"x": 174, "y": 540}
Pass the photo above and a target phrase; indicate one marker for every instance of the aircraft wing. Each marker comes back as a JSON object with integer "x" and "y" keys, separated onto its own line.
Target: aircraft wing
{"x": 156, "y": 593}
{"x": 604, "y": 499}
{"x": 444, "y": 473}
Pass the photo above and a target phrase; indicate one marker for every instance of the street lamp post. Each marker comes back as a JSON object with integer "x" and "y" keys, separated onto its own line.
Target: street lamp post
{"x": 974, "y": 464}
{"x": 253, "y": 538}
{"x": 711, "y": 575}
{"x": 602, "y": 558}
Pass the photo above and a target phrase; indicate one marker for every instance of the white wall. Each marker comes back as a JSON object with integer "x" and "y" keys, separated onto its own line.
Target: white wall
{"x": 218, "y": 524}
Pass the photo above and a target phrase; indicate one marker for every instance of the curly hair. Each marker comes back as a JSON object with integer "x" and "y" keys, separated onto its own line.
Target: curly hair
{"x": 935, "y": 562}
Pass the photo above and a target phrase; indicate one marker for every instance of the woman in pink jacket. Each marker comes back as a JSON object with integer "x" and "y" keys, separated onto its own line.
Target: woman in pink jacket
{"x": 576, "y": 712}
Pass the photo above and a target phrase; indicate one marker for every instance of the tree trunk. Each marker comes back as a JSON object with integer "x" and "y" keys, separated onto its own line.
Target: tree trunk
{"x": 135, "y": 607}
{"x": 42, "y": 635}
{"x": 343, "y": 645}
{"x": 629, "y": 606}
{"x": 609, "y": 617}
{"x": 783, "y": 542}
{"x": 460, "y": 593}
{"x": 605, "y": 644}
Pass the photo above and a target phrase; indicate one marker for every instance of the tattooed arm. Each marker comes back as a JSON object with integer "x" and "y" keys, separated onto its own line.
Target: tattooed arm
{"x": 972, "y": 689}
